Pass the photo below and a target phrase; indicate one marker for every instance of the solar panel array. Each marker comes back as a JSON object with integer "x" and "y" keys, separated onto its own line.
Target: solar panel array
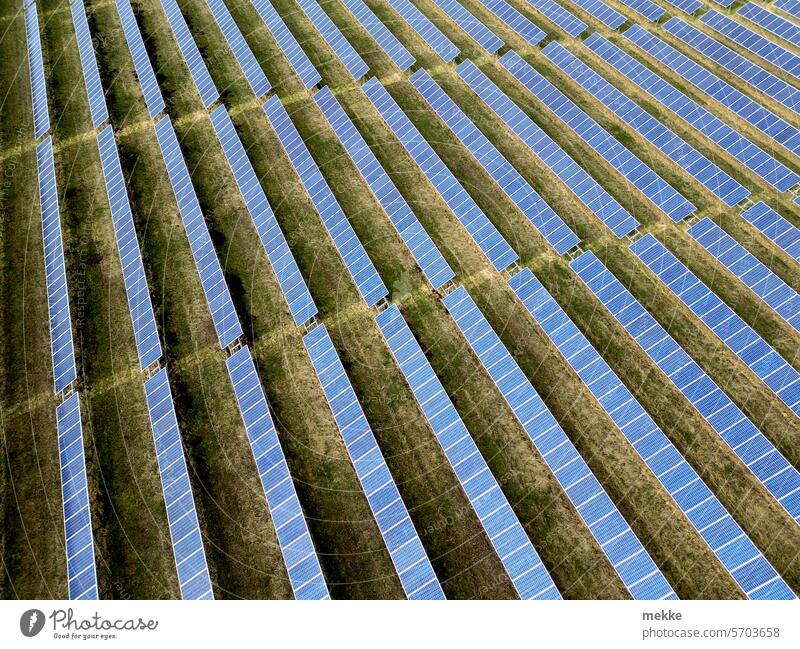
{"x": 479, "y": 32}
{"x": 615, "y": 217}
{"x": 724, "y": 3}
{"x": 598, "y": 9}
{"x": 365, "y": 277}
{"x": 756, "y": 160}
{"x": 687, "y": 6}
{"x": 343, "y": 51}
{"x": 419, "y": 243}
{"x": 560, "y": 16}
{"x": 402, "y": 541}
{"x": 515, "y": 20}
{"x": 687, "y": 158}
{"x": 772, "y": 22}
{"x": 387, "y": 41}
{"x": 226, "y": 322}
{"x": 776, "y": 228}
{"x": 541, "y": 215}
{"x": 41, "y": 117}
{"x": 616, "y": 154}
{"x": 241, "y": 50}
{"x": 197, "y": 68}
{"x": 483, "y": 232}
{"x": 505, "y": 532}
{"x": 783, "y": 299}
{"x": 791, "y": 7}
{"x": 141, "y": 62}
{"x": 286, "y": 41}
{"x": 764, "y": 120}
{"x": 426, "y": 30}
{"x": 299, "y": 556}
{"x": 745, "y": 563}
{"x": 646, "y": 9}
{"x": 91, "y": 75}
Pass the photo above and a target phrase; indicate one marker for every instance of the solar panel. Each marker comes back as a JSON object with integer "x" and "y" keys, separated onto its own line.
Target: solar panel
{"x": 505, "y": 532}
{"x": 630, "y": 560}
{"x": 295, "y": 292}
{"x": 736, "y": 64}
{"x": 764, "y": 120}
{"x": 756, "y": 160}
{"x": 772, "y": 22}
{"x": 724, "y": 3}
{"x": 791, "y": 7}
{"x": 478, "y": 226}
{"x": 417, "y": 240}
{"x": 541, "y": 215}
{"x": 197, "y": 68}
{"x": 647, "y": 9}
{"x": 241, "y": 50}
{"x": 752, "y": 350}
{"x": 343, "y": 51}
{"x": 387, "y": 41}
{"x": 479, "y": 32}
{"x": 757, "y": 44}
{"x": 617, "y": 155}
{"x": 686, "y": 157}
{"x": 601, "y": 11}
{"x": 560, "y": 16}
{"x": 299, "y": 555}
{"x": 41, "y": 118}
{"x": 148, "y": 345}
{"x": 426, "y": 30}
{"x": 750, "y": 271}
{"x": 776, "y": 228}
{"x": 737, "y": 553}
{"x": 297, "y": 57}
{"x": 144, "y": 69}
{"x": 223, "y": 314}
{"x": 184, "y": 529}
{"x": 615, "y": 217}
{"x": 515, "y": 20}
{"x": 81, "y": 573}
{"x": 61, "y": 345}
{"x": 365, "y": 277}
{"x": 402, "y": 541}
{"x": 91, "y": 75}
{"x": 686, "y": 6}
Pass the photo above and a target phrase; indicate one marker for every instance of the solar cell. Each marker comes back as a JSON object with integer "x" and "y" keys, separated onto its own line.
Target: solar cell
{"x": 772, "y": 22}
{"x": 184, "y": 529}
{"x": 756, "y": 160}
{"x": 686, "y": 157}
{"x": 387, "y": 41}
{"x": 751, "y": 272}
{"x": 365, "y": 277}
{"x": 402, "y": 541}
{"x": 541, "y": 215}
{"x": 724, "y": 3}
{"x": 737, "y": 553}
{"x": 560, "y": 16}
{"x": 483, "y": 232}
{"x": 41, "y": 118}
{"x": 686, "y": 6}
{"x": 479, "y": 32}
{"x": 426, "y": 30}
{"x": 508, "y": 537}
{"x": 791, "y": 7}
{"x": 583, "y": 186}
{"x": 299, "y": 555}
{"x": 91, "y": 75}
{"x": 223, "y": 314}
{"x": 515, "y": 20}
{"x": 343, "y": 51}
{"x": 295, "y": 292}
{"x": 647, "y": 9}
{"x": 417, "y": 240}
{"x": 776, "y": 228}
{"x": 601, "y": 11}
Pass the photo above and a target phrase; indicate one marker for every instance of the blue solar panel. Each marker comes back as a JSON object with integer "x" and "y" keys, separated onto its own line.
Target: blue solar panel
{"x": 791, "y": 7}
{"x": 387, "y": 41}
{"x": 724, "y": 3}
{"x": 283, "y": 263}
{"x": 226, "y": 322}
{"x": 297, "y": 57}
{"x": 745, "y": 563}
{"x": 348, "y": 57}
{"x": 776, "y": 228}
{"x": 617, "y": 155}
{"x": 646, "y": 9}
{"x": 241, "y": 50}
{"x": 615, "y": 217}
{"x": 91, "y": 75}
{"x": 41, "y": 118}
{"x": 406, "y": 550}
{"x": 764, "y": 120}
{"x": 427, "y": 31}
{"x": 756, "y": 160}
{"x": 736, "y": 64}
{"x": 602, "y": 12}
{"x": 148, "y": 345}
{"x": 515, "y": 20}
{"x": 686, "y": 6}
{"x": 365, "y": 277}
{"x": 756, "y": 276}
{"x": 505, "y": 532}
{"x": 197, "y": 68}
{"x": 61, "y": 346}
{"x": 686, "y": 157}
{"x": 299, "y": 555}
{"x": 144, "y": 69}
{"x": 184, "y": 529}
{"x": 541, "y": 215}
{"x": 479, "y": 32}
{"x": 81, "y": 573}
{"x": 419, "y": 243}
{"x": 562, "y": 17}
{"x": 772, "y": 22}
{"x": 483, "y": 233}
